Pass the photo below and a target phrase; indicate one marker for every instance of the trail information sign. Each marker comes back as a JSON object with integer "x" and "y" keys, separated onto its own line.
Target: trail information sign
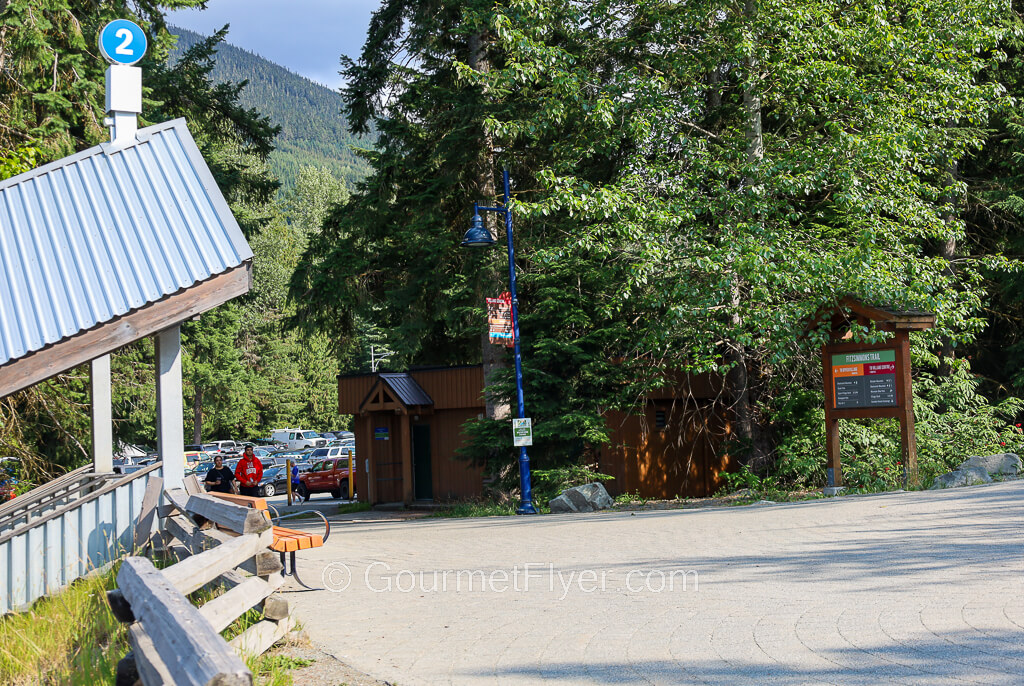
{"x": 868, "y": 380}
{"x": 865, "y": 379}
{"x": 522, "y": 432}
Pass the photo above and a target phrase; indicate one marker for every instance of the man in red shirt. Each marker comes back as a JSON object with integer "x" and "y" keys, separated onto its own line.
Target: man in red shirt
{"x": 249, "y": 471}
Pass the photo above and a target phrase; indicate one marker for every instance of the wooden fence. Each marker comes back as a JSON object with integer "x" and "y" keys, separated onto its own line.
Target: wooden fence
{"x": 219, "y": 544}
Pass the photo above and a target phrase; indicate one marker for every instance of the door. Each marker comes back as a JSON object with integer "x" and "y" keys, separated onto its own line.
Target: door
{"x": 387, "y": 458}
{"x": 423, "y": 475}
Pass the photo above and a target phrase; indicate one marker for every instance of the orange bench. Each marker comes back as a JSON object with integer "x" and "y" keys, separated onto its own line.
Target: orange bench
{"x": 285, "y": 540}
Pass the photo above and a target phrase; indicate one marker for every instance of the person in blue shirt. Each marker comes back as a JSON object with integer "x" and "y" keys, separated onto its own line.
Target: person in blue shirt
{"x": 295, "y": 483}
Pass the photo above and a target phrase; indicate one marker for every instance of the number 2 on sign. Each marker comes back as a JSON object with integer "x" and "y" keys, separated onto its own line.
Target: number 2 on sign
{"x": 123, "y": 48}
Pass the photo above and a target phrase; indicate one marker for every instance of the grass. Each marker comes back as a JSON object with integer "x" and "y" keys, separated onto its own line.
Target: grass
{"x": 73, "y": 638}
{"x": 475, "y": 509}
{"x": 275, "y": 670}
{"x": 352, "y": 508}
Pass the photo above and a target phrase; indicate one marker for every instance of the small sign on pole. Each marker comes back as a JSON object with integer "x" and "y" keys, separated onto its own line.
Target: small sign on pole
{"x": 522, "y": 432}
{"x": 122, "y": 42}
{"x": 499, "y": 320}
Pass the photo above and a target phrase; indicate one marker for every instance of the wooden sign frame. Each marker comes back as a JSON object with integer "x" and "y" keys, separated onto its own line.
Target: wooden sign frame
{"x": 899, "y": 324}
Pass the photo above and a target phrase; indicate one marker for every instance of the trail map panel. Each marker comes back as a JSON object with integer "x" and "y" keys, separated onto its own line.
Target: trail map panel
{"x": 865, "y": 379}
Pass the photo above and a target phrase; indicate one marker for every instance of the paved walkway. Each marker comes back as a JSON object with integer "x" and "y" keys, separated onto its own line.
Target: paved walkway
{"x": 907, "y": 588}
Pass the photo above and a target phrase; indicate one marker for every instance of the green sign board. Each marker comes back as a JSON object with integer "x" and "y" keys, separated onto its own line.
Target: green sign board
{"x": 522, "y": 432}
{"x": 380, "y": 433}
{"x": 864, "y": 379}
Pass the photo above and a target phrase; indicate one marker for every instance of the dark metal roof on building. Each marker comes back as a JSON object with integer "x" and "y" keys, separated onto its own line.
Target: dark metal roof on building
{"x": 406, "y": 390}
{"x": 94, "y": 236}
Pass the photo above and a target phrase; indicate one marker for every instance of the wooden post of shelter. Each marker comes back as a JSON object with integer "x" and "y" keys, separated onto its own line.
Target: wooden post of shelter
{"x": 869, "y": 380}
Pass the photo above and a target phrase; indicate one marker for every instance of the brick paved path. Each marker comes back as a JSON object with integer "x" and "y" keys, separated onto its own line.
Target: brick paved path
{"x": 898, "y": 588}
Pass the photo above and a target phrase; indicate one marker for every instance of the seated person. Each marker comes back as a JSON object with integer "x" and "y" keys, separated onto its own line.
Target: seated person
{"x": 219, "y": 477}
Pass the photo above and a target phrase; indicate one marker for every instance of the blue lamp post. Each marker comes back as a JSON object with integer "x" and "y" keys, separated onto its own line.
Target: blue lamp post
{"x": 479, "y": 236}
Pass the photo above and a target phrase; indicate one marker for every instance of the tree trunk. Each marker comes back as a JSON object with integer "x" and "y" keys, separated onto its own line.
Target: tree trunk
{"x": 947, "y": 249}
{"x": 197, "y": 417}
{"x": 748, "y": 430}
{"x": 493, "y": 356}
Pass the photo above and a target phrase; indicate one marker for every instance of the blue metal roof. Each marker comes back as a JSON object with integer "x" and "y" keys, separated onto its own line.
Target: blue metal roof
{"x": 96, "y": 235}
{"x": 406, "y": 389}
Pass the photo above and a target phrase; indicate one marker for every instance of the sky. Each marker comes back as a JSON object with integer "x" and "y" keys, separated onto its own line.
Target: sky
{"x": 306, "y": 36}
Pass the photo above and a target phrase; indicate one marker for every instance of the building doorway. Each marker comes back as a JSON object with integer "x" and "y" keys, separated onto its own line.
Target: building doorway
{"x": 422, "y": 471}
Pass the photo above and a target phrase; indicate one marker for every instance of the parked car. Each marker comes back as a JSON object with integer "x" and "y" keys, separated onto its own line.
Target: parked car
{"x": 225, "y": 447}
{"x": 274, "y": 481}
{"x": 194, "y": 458}
{"x": 299, "y": 438}
{"x": 326, "y": 476}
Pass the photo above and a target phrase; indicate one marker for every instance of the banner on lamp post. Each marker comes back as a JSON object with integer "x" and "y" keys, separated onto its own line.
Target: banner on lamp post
{"x": 499, "y": 320}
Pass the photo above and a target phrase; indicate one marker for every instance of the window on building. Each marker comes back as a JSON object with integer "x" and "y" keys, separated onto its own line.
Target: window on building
{"x": 660, "y": 419}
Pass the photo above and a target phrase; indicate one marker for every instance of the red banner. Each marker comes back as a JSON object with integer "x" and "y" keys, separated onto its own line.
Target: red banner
{"x": 499, "y": 320}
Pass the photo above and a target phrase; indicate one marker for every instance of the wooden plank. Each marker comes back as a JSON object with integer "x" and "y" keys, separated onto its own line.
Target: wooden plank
{"x": 191, "y": 650}
{"x": 226, "y": 608}
{"x": 238, "y": 518}
{"x": 833, "y": 464}
{"x": 905, "y": 394}
{"x": 117, "y": 333}
{"x": 144, "y": 525}
{"x": 192, "y": 485}
{"x": 405, "y": 450}
{"x": 258, "y": 638}
{"x": 244, "y": 500}
{"x": 149, "y": 665}
{"x": 275, "y": 608}
{"x": 198, "y": 570}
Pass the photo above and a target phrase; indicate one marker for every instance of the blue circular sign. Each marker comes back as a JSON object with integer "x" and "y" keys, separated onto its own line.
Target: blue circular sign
{"x": 122, "y": 42}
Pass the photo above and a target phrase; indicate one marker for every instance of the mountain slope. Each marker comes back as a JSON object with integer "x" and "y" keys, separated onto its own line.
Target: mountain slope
{"x": 313, "y": 129}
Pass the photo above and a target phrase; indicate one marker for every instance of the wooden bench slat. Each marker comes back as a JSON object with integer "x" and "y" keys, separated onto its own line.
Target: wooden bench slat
{"x": 247, "y": 500}
{"x": 289, "y": 540}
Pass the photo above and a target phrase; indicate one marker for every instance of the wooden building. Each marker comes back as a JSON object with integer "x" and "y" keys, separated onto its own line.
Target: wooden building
{"x": 408, "y": 427}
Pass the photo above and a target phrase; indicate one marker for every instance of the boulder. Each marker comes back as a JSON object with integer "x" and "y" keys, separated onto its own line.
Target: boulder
{"x": 1000, "y": 464}
{"x": 965, "y": 476}
{"x": 586, "y": 498}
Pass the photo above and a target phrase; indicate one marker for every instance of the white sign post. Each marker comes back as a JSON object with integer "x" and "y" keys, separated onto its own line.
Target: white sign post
{"x": 522, "y": 432}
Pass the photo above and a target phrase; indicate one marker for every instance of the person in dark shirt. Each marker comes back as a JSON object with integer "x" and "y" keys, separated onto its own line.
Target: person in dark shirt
{"x": 219, "y": 477}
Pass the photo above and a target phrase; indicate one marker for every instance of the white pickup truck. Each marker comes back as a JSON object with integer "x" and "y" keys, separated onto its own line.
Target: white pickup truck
{"x": 299, "y": 439}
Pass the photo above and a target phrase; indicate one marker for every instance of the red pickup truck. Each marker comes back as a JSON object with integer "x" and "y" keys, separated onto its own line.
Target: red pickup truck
{"x": 326, "y": 476}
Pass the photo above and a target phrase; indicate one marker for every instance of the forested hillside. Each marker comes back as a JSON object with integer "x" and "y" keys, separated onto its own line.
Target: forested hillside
{"x": 313, "y": 129}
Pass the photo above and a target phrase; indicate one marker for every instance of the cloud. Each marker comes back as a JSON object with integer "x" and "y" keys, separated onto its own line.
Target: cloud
{"x": 306, "y": 36}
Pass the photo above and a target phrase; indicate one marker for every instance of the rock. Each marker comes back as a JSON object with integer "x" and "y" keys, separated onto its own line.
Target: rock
{"x": 965, "y": 476}
{"x": 1000, "y": 464}
{"x": 586, "y": 498}
{"x": 561, "y": 504}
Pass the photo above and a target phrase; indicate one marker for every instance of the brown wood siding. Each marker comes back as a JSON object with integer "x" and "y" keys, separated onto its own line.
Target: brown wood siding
{"x": 352, "y": 391}
{"x": 683, "y": 459}
{"x": 453, "y": 477}
{"x": 460, "y": 387}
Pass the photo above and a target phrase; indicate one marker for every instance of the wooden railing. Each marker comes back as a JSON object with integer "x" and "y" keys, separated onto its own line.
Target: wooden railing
{"x": 50, "y": 496}
{"x": 175, "y": 642}
{"x": 54, "y": 548}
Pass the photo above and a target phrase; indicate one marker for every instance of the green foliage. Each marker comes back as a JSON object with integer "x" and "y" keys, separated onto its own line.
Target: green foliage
{"x": 692, "y": 182}
{"x": 483, "y": 508}
{"x": 71, "y": 638}
{"x": 18, "y": 161}
{"x": 313, "y": 131}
